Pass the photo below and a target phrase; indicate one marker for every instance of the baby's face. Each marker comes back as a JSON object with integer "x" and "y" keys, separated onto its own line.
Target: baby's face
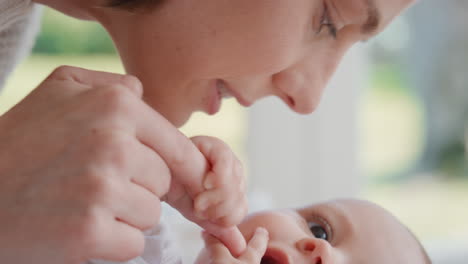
{"x": 338, "y": 232}
{"x": 189, "y": 54}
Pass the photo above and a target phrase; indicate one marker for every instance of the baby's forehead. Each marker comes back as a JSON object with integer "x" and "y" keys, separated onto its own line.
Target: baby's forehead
{"x": 343, "y": 205}
{"x": 355, "y": 217}
{"x": 365, "y": 229}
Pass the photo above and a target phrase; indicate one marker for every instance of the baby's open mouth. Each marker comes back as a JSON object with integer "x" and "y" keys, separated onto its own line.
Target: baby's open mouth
{"x": 268, "y": 260}
{"x": 274, "y": 256}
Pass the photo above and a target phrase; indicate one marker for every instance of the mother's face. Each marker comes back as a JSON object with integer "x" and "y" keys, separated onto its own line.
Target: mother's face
{"x": 189, "y": 54}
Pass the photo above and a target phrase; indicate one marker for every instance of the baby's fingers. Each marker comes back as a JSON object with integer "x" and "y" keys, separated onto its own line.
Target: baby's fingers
{"x": 251, "y": 255}
{"x": 231, "y": 238}
{"x": 214, "y": 246}
{"x": 219, "y": 156}
{"x": 256, "y": 247}
{"x": 228, "y": 212}
{"x": 208, "y": 199}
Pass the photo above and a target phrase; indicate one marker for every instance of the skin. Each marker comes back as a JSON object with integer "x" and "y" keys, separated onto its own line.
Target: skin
{"x": 52, "y": 189}
{"x": 359, "y": 232}
{"x": 177, "y": 51}
{"x": 180, "y": 48}
{"x": 77, "y": 173}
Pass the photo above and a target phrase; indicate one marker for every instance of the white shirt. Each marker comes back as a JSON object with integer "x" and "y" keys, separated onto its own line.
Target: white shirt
{"x": 19, "y": 25}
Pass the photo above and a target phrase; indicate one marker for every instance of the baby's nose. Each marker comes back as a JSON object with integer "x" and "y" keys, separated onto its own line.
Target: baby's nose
{"x": 315, "y": 250}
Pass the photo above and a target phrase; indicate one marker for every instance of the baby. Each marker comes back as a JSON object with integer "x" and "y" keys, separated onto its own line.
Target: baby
{"x": 339, "y": 231}
{"x": 216, "y": 202}
{"x": 345, "y": 231}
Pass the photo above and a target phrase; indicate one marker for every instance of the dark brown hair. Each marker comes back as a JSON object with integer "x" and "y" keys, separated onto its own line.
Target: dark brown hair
{"x": 134, "y": 5}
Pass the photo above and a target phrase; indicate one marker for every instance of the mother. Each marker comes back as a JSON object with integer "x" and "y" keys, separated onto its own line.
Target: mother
{"x": 77, "y": 156}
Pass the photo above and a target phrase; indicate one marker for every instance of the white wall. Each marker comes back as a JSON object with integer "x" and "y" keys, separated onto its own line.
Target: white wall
{"x": 294, "y": 160}
{"x": 448, "y": 252}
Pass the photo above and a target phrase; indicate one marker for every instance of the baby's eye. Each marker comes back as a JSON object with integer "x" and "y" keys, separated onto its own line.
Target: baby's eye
{"x": 318, "y": 231}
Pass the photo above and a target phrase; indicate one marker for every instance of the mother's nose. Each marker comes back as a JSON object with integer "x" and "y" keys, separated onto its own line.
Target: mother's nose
{"x": 300, "y": 93}
{"x": 316, "y": 251}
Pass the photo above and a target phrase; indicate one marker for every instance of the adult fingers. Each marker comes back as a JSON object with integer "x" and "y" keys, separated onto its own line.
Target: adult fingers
{"x": 93, "y": 79}
{"x": 136, "y": 206}
{"x": 231, "y": 237}
{"x": 150, "y": 171}
{"x": 116, "y": 241}
{"x": 214, "y": 245}
{"x": 183, "y": 158}
{"x": 148, "y": 179}
{"x": 134, "y": 163}
{"x": 135, "y": 178}
{"x": 253, "y": 253}
{"x": 256, "y": 247}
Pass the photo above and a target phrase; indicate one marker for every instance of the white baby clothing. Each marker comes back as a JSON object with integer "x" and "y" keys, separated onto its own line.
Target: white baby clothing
{"x": 159, "y": 249}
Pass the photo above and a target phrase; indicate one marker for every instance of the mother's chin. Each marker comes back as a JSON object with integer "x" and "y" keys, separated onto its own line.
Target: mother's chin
{"x": 171, "y": 111}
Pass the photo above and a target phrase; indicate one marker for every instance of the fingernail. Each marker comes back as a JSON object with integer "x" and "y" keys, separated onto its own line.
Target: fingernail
{"x": 208, "y": 184}
{"x": 261, "y": 231}
{"x": 202, "y": 205}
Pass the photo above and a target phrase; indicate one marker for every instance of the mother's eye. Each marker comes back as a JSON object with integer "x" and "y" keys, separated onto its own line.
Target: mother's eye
{"x": 319, "y": 231}
{"x": 327, "y": 22}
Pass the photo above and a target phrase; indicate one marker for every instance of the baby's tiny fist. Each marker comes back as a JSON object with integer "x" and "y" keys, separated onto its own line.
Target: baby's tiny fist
{"x": 201, "y": 205}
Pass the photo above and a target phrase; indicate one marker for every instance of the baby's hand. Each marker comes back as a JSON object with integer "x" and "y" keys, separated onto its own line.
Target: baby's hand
{"x": 222, "y": 203}
{"x": 216, "y": 253}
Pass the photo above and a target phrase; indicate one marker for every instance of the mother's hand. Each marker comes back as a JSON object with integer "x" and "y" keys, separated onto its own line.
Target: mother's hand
{"x": 82, "y": 166}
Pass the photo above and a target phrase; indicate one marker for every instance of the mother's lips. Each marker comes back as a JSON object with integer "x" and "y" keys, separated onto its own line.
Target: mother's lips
{"x": 275, "y": 256}
{"x": 241, "y": 100}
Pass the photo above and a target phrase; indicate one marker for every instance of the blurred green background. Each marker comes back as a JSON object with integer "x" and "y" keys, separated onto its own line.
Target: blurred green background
{"x": 392, "y": 128}
{"x": 61, "y": 35}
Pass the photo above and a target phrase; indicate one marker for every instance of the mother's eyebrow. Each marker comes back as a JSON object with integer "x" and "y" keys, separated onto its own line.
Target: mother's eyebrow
{"x": 373, "y": 18}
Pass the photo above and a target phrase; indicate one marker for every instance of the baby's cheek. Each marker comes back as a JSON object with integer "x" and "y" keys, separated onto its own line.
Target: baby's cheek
{"x": 274, "y": 222}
